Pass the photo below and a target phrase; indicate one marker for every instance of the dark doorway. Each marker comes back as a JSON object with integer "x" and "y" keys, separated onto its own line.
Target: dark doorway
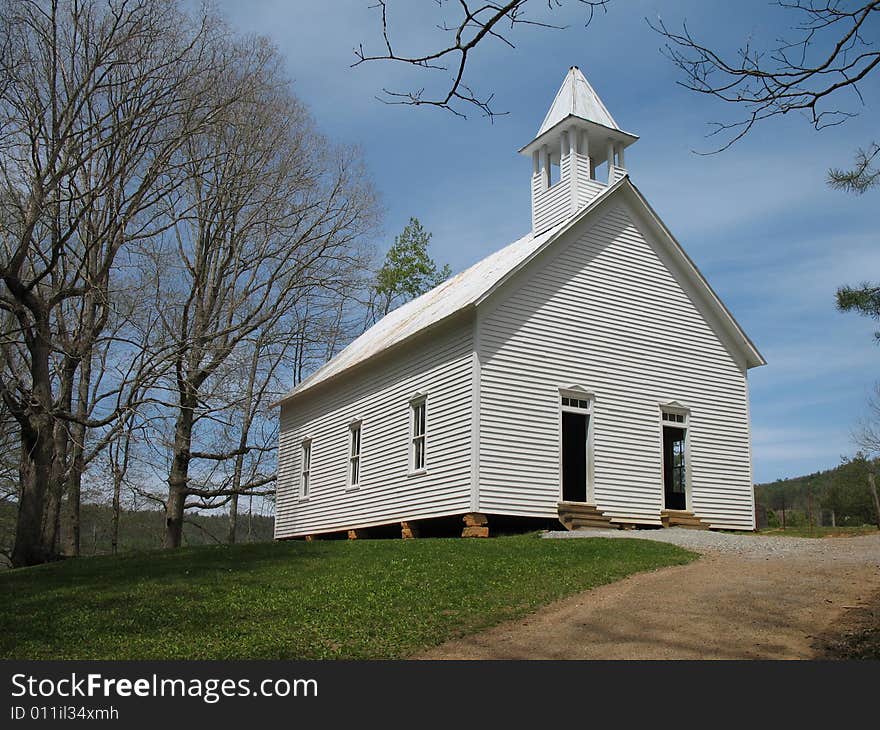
{"x": 674, "y": 478}
{"x": 574, "y": 456}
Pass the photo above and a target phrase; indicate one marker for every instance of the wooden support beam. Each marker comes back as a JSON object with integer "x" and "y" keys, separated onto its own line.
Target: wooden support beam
{"x": 610, "y": 155}
{"x": 409, "y": 530}
{"x": 476, "y": 524}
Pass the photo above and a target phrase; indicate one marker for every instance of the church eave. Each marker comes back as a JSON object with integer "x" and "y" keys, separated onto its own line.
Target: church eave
{"x": 616, "y": 135}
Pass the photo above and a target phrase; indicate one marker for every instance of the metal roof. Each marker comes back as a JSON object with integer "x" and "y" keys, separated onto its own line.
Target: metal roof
{"x": 577, "y": 98}
{"x": 450, "y": 297}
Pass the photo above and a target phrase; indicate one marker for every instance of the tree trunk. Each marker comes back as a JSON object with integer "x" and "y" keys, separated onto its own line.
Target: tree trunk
{"x": 71, "y": 520}
{"x": 873, "y": 485}
{"x": 37, "y": 457}
{"x": 51, "y": 520}
{"x": 117, "y": 488}
{"x": 56, "y": 487}
{"x": 246, "y": 421}
{"x": 70, "y": 517}
{"x": 178, "y": 477}
{"x": 233, "y": 519}
{"x": 174, "y": 512}
{"x": 250, "y": 532}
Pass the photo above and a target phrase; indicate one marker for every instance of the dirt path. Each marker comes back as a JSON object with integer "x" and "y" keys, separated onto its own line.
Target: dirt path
{"x": 726, "y": 605}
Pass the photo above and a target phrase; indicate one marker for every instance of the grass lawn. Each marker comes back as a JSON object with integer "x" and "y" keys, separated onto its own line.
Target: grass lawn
{"x": 298, "y": 600}
{"x": 819, "y": 531}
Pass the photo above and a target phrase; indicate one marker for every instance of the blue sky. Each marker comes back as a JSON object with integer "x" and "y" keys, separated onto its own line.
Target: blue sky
{"x": 758, "y": 220}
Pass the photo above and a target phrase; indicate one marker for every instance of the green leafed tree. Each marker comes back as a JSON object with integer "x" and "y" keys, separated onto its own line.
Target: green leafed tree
{"x": 863, "y": 299}
{"x": 407, "y": 272}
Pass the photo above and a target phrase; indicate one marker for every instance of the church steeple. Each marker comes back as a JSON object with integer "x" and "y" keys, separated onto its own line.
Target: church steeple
{"x": 577, "y": 136}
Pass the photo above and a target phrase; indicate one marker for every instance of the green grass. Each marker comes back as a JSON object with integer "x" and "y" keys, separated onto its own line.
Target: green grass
{"x": 819, "y": 531}
{"x": 298, "y": 600}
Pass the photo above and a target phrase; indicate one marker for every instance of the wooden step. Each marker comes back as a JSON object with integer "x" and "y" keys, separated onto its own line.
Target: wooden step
{"x": 682, "y": 518}
{"x": 586, "y": 524}
{"x": 581, "y": 516}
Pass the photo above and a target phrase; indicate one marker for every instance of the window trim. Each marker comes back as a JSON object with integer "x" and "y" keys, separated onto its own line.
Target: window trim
{"x": 305, "y": 470}
{"x": 416, "y": 402}
{"x": 579, "y": 398}
{"x": 355, "y": 426}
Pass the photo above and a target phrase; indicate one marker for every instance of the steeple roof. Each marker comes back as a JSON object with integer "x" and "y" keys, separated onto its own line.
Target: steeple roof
{"x": 576, "y": 97}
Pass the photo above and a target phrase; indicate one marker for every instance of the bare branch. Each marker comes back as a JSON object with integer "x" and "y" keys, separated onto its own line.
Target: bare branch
{"x": 470, "y": 29}
{"x": 793, "y": 77}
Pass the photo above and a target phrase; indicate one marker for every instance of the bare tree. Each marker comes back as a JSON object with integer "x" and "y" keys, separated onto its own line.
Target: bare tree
{"x": 269, "y": 212}
{"x": 818, "y": 71}
{"x": 95, "y": 98}
{"x": 832, "y": 50}
{"x": 259, "y": 386}
{"x": 148, "y": 158}
{"x": 471, "y": 27}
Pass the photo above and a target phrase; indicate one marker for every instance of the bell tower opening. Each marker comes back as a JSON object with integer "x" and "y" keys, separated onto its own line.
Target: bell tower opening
{"x": 577, "y": 153}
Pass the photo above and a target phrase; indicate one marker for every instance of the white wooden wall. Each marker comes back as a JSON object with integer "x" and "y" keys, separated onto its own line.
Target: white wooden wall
{"x": 439, "y": 362}
{"x": 587, "y": 188}
{"x": 603, "y": 311}
{"x": 553, "y": 205}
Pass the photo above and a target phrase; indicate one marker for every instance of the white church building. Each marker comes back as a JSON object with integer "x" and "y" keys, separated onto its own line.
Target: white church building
{"x": 585, "y": 373}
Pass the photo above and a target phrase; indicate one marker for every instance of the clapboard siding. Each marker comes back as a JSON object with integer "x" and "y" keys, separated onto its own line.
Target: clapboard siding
{"x": 439, "y": 363}
{"x": 553, "y": 205}
{"x": 616, "y": 174}
{"x": 603, "y": 310}
{"x": 587, "y": 188}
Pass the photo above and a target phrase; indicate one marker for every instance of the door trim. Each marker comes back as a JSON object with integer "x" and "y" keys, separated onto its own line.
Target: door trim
{"x": 676, "y": 408}
{"x": 580, "y": 394}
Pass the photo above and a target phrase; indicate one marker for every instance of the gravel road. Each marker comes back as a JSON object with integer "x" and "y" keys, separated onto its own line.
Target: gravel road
{"x": 864, "y": 549}
{"x": 748, "y": 597}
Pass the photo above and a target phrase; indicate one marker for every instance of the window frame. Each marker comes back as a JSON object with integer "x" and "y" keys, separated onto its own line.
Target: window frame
{"x": 354, "y": 457}
{"x": 416, "y": 403}
{"x": 305, "y": 469}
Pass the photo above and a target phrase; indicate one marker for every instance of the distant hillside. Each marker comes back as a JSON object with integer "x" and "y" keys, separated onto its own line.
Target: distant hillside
{"x": 143, "y": 529}
{"x": 837, "y": 496}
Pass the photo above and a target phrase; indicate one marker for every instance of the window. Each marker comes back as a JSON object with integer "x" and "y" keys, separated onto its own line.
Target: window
{"x": 418, "y": 435}
{"x": 354, "y": 459}
{"x": 306, "y": 469}
{"x": 579, "y": 403}
{"x": 678, "y": 475}
{"x": 673, "y": 417}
